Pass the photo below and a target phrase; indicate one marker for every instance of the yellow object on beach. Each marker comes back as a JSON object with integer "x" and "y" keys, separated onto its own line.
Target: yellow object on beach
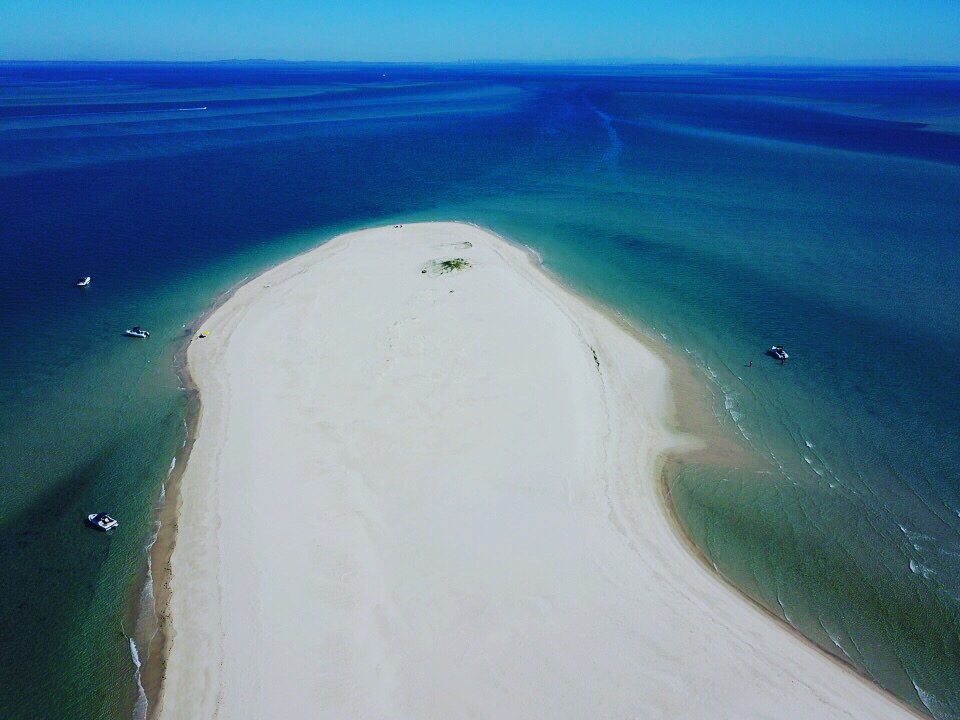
{"x": 204, "y": 334}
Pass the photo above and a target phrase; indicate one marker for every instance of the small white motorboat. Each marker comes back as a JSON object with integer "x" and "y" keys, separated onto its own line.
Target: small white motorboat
{"x": 778, "y": 353}
{"x": 137, "y": 332}
{"x": 84, "y": 281}
{"x": 101, "y": 522}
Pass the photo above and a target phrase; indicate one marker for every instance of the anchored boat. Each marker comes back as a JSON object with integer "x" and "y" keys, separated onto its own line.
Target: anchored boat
{"x": 136, "y": 332}
{"x": 778, "y": 353}
{"x": 101, "y": 522}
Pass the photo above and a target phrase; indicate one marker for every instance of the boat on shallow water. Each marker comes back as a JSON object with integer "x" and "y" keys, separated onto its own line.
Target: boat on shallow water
{"x": 84, "y": 281}
{"x": 778, "y": 353}
{"x": 137, "y": 332}
{"x": 101, "y": 522}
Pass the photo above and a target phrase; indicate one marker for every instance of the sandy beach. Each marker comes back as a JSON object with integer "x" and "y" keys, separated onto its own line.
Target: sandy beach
{"x": 421, "y": 491}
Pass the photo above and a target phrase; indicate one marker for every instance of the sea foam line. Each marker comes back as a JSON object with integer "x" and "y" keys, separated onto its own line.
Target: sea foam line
{"x": 147, "y": 621}
{"x": 140, "y": 706}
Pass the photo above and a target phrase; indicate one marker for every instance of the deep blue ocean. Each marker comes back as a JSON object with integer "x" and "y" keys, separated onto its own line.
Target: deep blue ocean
{"x": 719, "y": 210}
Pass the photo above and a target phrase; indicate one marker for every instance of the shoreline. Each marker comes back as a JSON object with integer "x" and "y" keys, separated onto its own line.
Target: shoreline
{"x": 691, "y": 418}
{"x": 154, "y": 669}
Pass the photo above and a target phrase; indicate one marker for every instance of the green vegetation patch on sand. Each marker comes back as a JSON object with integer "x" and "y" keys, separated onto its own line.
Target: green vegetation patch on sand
{"x": 441, "y": 267}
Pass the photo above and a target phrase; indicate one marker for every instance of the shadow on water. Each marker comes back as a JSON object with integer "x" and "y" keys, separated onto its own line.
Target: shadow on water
{"x": 68, "y": 585}
{"x": 49, "y": 542}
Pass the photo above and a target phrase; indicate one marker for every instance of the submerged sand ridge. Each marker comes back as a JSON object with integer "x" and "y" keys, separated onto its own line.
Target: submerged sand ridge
{"x": 420, "y": 492}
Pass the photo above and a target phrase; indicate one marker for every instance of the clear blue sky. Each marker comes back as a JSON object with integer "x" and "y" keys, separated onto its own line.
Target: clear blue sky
{"x": 440, "y": 30}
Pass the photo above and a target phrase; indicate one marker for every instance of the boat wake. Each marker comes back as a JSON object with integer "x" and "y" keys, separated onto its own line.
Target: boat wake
{"x": 612, "y": 154}
{"x": 97, "y": 113}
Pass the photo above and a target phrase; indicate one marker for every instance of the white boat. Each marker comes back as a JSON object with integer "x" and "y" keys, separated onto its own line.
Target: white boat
{"x": 101, "y": 522}
{"x": 778, "y": 353}
{"x": 84, "y": 281}
{"x": 137, "y": 332}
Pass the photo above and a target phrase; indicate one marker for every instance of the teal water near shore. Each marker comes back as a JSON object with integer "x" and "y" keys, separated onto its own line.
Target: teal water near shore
{"x": 720, "y": 209}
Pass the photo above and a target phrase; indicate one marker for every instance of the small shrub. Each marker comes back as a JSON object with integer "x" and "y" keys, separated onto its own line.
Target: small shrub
{"x": 452, "y": 265}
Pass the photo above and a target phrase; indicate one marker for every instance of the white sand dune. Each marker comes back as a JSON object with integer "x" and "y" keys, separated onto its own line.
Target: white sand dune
{"x": 433, "y": 495}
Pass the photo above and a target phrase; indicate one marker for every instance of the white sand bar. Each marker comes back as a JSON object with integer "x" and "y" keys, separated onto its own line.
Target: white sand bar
{"x": 418, "y": 495}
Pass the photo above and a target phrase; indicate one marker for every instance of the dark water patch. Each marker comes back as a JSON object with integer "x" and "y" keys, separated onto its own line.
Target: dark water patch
{"x": 761, "y": 118}
{"x": 67, "y": 586}
{"x": 731, "y": 516}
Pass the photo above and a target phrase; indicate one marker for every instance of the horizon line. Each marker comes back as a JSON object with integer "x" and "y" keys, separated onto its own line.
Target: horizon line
{"x": 744, "y": 61}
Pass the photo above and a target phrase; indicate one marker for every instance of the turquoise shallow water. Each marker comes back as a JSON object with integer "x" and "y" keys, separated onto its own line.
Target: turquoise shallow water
{"x": 721, "y": 209}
